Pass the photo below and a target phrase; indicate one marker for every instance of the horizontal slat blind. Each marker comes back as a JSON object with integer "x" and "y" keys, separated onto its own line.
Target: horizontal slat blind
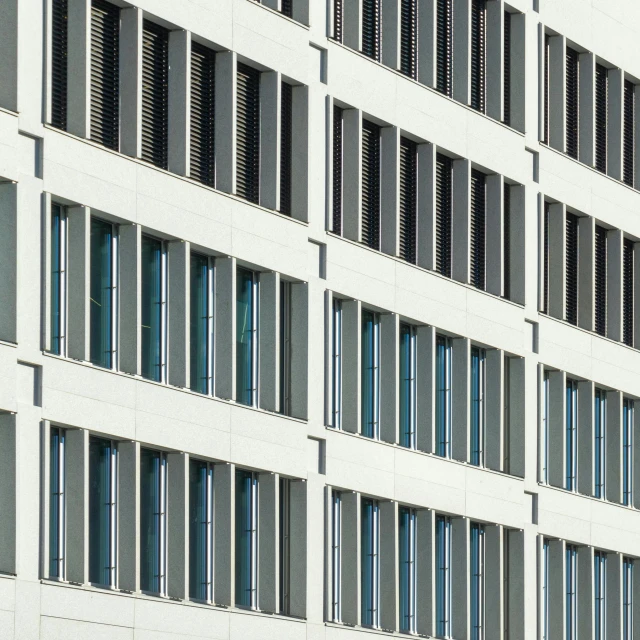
{"x": 337, "y": 19}
{"x": 203, "y": 114}
{"x": 571, "y": 257}
{"x": 477, "y": 230}
{"x": 601, "y": 118}
{"x": 286, "y": 136}
{"x": 59, "y": 39}
{"x": 443, "y": 214}
{"x": 408, "y": 37}
{"x": 370, "y": 184}
{"x": 444, "y": 48}
{"x": 408, "y": 199}
{"x": 286, "y": 8}
{"x": 545, "y": 135}
{"x": 572, "y": 103}
{"x": 248, "y": 133}
{"x": 506, "y": 270}
{"x": 600, "y": 280}
{"x": 478, "y": 49}
{"x": 627, "y": 291}
{"x": 545, "y": 259}
{"x": 337, "y": 170}
{"x": 507, "y": 69}
{"x": 628, "y": 144}
{"x": 371, "y": 28}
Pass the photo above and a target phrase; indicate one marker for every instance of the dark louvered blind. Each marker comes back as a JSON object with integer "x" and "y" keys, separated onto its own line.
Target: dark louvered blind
{"x": 444, "y": 48}
{"x": 155, "y": 93}
{"x": 507, "y": 68}
{"x": 203, "y": 113}
{"x": 627, "y": 292}
{"x": 337, "y": 170}
{"x": 571, "y": 281}
{"x": 628, "y": 143}
{"x": 506, "y": 271}
{"x": 59, "y": 38}
{"x": 545, "y": 259}
{"x": 248, "y": 133}
{"x": 105, "y": 76}
{"x": 370, "y": 184}
{"x": 408, "y": 199}
{"x": 600, "y": 281}
{"x": 443, "y": 214}
{"x": 601, "y": 118}
{"x": 286, "y": 8}
{"x": 478, "y": 47}
{"x": 337, "y": 19}
{"x": 408, "y": 37}
{"x": 286, "y": 136}
{"x": 371, "y": 28}
{"x": 572, "y": 102}
{"x": 477, "y": 230}
{"x": 545, "y": 136}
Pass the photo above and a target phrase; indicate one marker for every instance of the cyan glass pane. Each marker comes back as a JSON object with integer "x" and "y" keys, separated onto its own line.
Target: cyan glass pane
{"x": 475, "y": 406}
{"x": 244, "y": 337}
{"x": 99, "y": 511}
{"x": 406, "y": 387}
{"x": 199, "y": 322}
{"x": 101, "y": 283}
{"x": 244, "y": 530}
{"x": 198, "y": 523}
{"x": 150, "y": 509}
{"x": 56, "y": 510}
{"x": 368, "y": 375}
{"x": 56, "y": 274}
{"x": 367, "y": 560}
{"x": 151, "y": 309}
{"x": 442, "y": 384}
{"x": 406, "y": 586}
{"x": 442, "y": 577}
{"x": 476, "y": 581}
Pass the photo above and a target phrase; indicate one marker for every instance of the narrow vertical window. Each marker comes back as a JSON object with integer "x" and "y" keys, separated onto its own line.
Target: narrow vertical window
{"x": 478, "y": 55}
{"x": 371, "y": 28}
{"x": 153, "y": 521}
{"x": 599, "y": 445}
{"x": 247, "y": 337}
{"x": 506, "y": 240}
{"x": 545, "y": 258}
{"x": 444, "y": 46}
{"x": 506, "y": 89}
{"x": 336, "y": 353}
{"x": 477, "y": 581}
{"x": 285, "y": 348}
{"x": 545, "y": 428}
{"x": 154, "y": 309}
{"x": 248, "y": 133}
{"x": 443, "y": 396}
{"x": 59, "y": 73}
{"x": 57, "y": 504}
{"x": 201, "y": 323}
{"x": 506, "y": 416}
{"x": 444, "y": 167}
{"x": 370, "y": 558}
{"x": 408, "y": 37}
{"x": 506, "y": 585}
{"x": 155, "y": 94}
{"x": 246, "y": 539}
{"x": 105, "y": 74}
{"x": 286, "y": 8}
{"x": 407, "y": 569}
{"x": 337, "y": 171}
{"x": 103, "y": 482}
{"x": 203, "y": 114}
{"x": 571, "y": 276}
{"x": 571, "y": 436}
{"x": 601, "y": 90}
{"x": 200, "y": 530}
{"x": 337, "y": 19}
{"x": 628, "y": 132}
{"x": 336, "y": 556}
{"x": 478, "y": 363}
{"x": 599, "y": 594}
{"x": 477, "y": 248}
{"x": 408, "y": 340}
{"x": 285, "y": 546}
{"x": 627, "y": 599}
{"x": 370, "y": 217}
{"x": 103, "y": 293}
{"x": 571, "y": 593}
{"x": 545, "y": 591}
{"x": 571, "y": 103}
{"x": 286, "y": 148}
{"x": 628, "y": 268}
{"x": 58, "y": 280}
{"x": 627, "y": 452}
{"x": 600, "y": 281}
{"x": 443, "y": 577}
{"x": 370, "y": 375}
{"x": 545, "y": 134}
{"x": 408, "y": 212}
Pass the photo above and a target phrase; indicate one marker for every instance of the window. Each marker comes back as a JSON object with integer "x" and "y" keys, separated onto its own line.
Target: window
{"x": 105, "y": 73}
{"x": 628, "y": 259}
{"x": 545, "y": 428}
{"x": 571, "y": 249}
{"x": 571, "y": 105}
{"x": 506, "y": 239}
{"x": 247, "y": 337}
{"x": 407, "y": 569}
{"x": 337, "y": 170}
{"x": 59, "y": 48}
{"x": 248, "y": 133}
{"x": 286, "y": 7}
{"x": 600, "y": 281}
{"x": 58, "y": 280}
{"x": 153, "y": 521}
{"x": 57, "y": 504}
{"x": 336, "y": 556}
{"x": 571, "y": 436}
{"x": 478, "y": 367}
{"x": 370, "y": 218}
{"x": 155, "y": 94}
{"x": 545, "y": 591}
{"x": 154, "y": 309}
{"x": 477, "y": 248}
{"x": 104, "y": 293}
{"x": 336, "y": 361}
{"x": 408, "y": 37}
{"x": 443, "y": 577}
{"x": 201, "y": 323}
{"x": 370, "y": 375}
{"x": 370, "y": 558}
{"x": 285, "y": 348}
{"x": 628, "y": 132}
{"x": 599, "y": 594}
{"x": 444, "y": 166}
{"x": 507, "y": 72}
{"x": 444, "y": 46}
{"x": 599, "y": 445}
{"x": 601, "y": 90}
{"x": 571, "y": 593}
{"x": 478, "y": 55}
{"x": 103, "y": 496}
{"x": 338, "y": 17}
{"x": 545, "y": 136}
{"x": 443, "y": 396}
{"x": 545, "y": 258}
{"x": 408, "y": 339}
{"x": 247, "y": 539}
{"x": 627, "y": 599}
{"x": 371, "y": 28}
{"x": 408, "y": 199}
{"x": 200, "y": 530}
{"x": 627, "y": 451}
{"x": 285, "y": 546}
{"x": 477, "y": 581}
{"x": 202, "y": 114}
{"x": 286, "y": 148}
{"x": 506, "y": 415}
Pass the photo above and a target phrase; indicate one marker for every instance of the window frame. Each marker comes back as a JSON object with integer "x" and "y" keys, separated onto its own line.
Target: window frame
{"x": 57, "y": 504}
{"x": 407, "y": 569}
{"x": 407, "y": 385}
{"x": 443, "y": 576}
{"x": 571, "y": 436}
{"x": 370, "y": 369}
{"x": 600, "y": 444}
{"x": 478, "y": 405}
{"x": 208, "y": 533}
{"x": 370, "y": 561}
{"x": 628, "y": 407}
{"x": 443, "y": 396}
{"x": 210, "y": 304}
{"x": 253, "y": 358}
{"x": 336, "y": 556}
{"x": 336, "y": 364}
{"x": 477, "y": 581}
{"x": 59, "y": 297}
{"x": 571, "y": 592}
{"x": 599, "y": 595}
{"x": 252, "y": 550}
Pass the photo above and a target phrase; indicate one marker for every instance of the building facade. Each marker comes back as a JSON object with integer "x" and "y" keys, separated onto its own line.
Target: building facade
{"x": 319, "y": 318}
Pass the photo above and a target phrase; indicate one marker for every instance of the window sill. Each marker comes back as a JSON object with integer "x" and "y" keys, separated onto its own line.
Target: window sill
{"x": 584, "y": 496}
{"x": 373, "y": 630}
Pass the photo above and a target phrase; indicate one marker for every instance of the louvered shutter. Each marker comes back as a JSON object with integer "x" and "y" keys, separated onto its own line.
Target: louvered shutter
{"x": 572, "y": 103}
{"x": 545, "y": 137}
{"x": 507, "y": 243}
{"x": 478, "y": 49}
{"x": 601, "y": 118}
{"x": 337, "y": 19}
{"x": 545, "y": 259}
{"x": 477, "y": 230}
{"x": 443, "y": 214}
{"x": 286, "y": 134}
{"x": 408, "y": 37}
{"x": 370, "y": 184}
{"x": 600, "y": 281}
{"x": 155, "y": 93}
{"x": 337, "y": 170}
{"x": 203, "y": 114}
{"x": 248, "y": 133}
{"x": 627, "y": 291}
{"x": 286, "y": 8}
{"x": 371, "y": 28}
{"x": 408, "y": 199}
{"x": 59, "y": 39}
{"x": 628, "y": 143}
{"x": 444, "y": 49}
{"x": 571, "y": 265}
{"x": 507, "y": 69}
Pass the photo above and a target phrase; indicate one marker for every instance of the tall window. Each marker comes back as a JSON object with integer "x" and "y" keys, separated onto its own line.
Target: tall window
{"x": 507, "y": 69}
{"x": 202, "y": 114}
{"x": 370, "y": 218}
{"x": 571, "y": 436}
{"x": 408, "y": 339}
{"x": 336, "y": 365}
{"x": 408, "y": 37}
{"x": 247, "y": 337}
{"x": 285, "y": 348}
{"x": 478, "y": 55}
{"x": 59, "y": 49}
{"x": 154, "y": 309}
{"x": 200, "y": 530}
{"x": 599, "y": 448}
{"x": 599, "y": 594}
{"x": 444, "y": 166}
{"x": 628, "y": 132}
{"x": 545, "y": 134}
{"x": 248, "y": 133}
{"x": 338, "y": 16}
{"x": 627, "y": 451}
{"x": 478, "y": 234}
{"x": 371, "y": 28}
{"x": 545, "y": 429}
{"x": 628, "y": 259}
{"x": 627, "y": 599}
{"x": 571, "y": 276}
{"x": 58, "y": 280}
{"x": 443, "y": 396}
{"x": 506, "y": 242}
{"x": 600, "y": 280}
{"x": 285, "y": 546}
{"x": 444, "y": 46}
{"x": 478, "y": 368}
{"x": 370, "y": 375}
{"x": 336, "y": 556}
{"x": 104, "y": 293}
{"x": 57, "y": 504}
{"x": 337, "y": 169}
{"x": 286, "y": 147}
{"x": 545, "y": 258}
{"x": 571, "y": 593}
{"x": 601, "y": 91}
{"x": 571, "y": 103}
{"x": 407, "y": 569}
{"x": 153, "y": 521}
{"x": 103, "y": 531}
{"x": 370, "y": 558}
{"x": 408, "y": 212}
{"x": 443, "y": 577}
{"x": 201, "y": 323}
{"x": 506, "y": 416}
{"x": 545, "y": 591}
{"x": 247, "y": 539}
{"x": 477, "y": 581}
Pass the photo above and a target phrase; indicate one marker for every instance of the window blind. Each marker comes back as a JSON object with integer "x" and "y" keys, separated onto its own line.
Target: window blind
{"x": 286, "y": 8}
{"x": 444, "y": 46}
{"x": 443, "y": 214}
{"x": 545, "y": 259}
{"x": 370, "y": 184}
{"x": 600, "y": 280}
{"x": 628, "y": 258}
{"x": 408, "y": 199}
{"x": 408, "y": 37}
{"x": 571, "y": 265}
{"x": 572, "y": 102}
{"x": 371, "y": 28}
{"x": 601, "y": 117}
{"x": 545, "y": 135}
{"x": 478, "y": 54}
{"x": 286, "y": 149}
{"x": 248, "y": 133}
{"x": 59, "y": 42}
{"x": 203, "y": 114}
{"x": 507, "y": 69}
{"x": 337, "y": 170}
{"x": 337, "y": 19}
{"x": 628, "y": 143}
{"x": 477, "y": 232}
{"x": 506, "y": 260}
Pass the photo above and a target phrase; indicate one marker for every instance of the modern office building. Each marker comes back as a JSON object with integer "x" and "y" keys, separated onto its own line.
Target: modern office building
{"x": 319, "y": 318}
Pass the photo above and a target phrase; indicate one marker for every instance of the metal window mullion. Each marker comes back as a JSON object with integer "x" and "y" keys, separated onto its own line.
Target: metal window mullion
{"x": 62, "y": 511}
{"x": 376, "y": 376}
{"x": 115, "y": 291}
{"x": 163, "y": 311}
{"x": 113, "y": 512}
{"x": 210, "y": 324}
{"x": 255, "y": 319}
{"x": 337, "y": 364}
{"x": 162, "y": 525}
{"x": 336, "y": 556}
{"x": 254, "y": 541}
{"x": 413, "y": 395}
{"x": 63, "y": 281}
{"x": 209, "y": 536}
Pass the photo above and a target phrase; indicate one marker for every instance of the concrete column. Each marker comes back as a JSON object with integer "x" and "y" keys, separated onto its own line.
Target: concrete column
{"x": 78, "y": 278}
{"x": 514, "y": 574}
{"x": 129, "y": 516}
{"x": 225, "y": 132}
{"x": 494, "y": 236}
{"x": 557, "y": 413}
{"x": 557, "y": 595}
{"x": 352, "y": 24}
{"x": 426, "y": 572}
{"x": 614, "y": 447}
{"x": 79, "y": 68}
{"x": 557, "y": 262}
{"x": 9, "y": 53}
{"x": 584, "y": 585}
{"x": 613, "y": 602}
{"x": 495, "y": 60}
{"x": 518, "y": 74}
{"x": 179, "y": 101}
{"x": 178, "y": 526}
{"x": 585, "y": 437}
{"x": 494, "y": 409}
{"x": 615, "y": 240}
{"x": 298, "y": 548}
{"x": 300, "y": 151}
{"x": 389, "y": 565}
{"x": 300, "y": 350}
{"x": 494, "y": 580}
{"x": 516, "y": 385}
{"x": 586, "y": 271}
{"x": 8, "y": 489}
{"x": 427, "y": 43}
{"x": 615, "y": 122}
{"x": 350, "y": 544}
{"x": 460, "y": 383}
{"x": 224, "y": 523}
{"x": 351, "y": 357}
{"x": 129, "y": 245}
{"x": 77, "y": 503}
{"x": 131, "y": 81}
{"x": 351, "y": 171}
{"x": 462, "y": 51}
{"x": 460, "y": 219}
{"x": 587, "y": 108}
{"x": 269, "y": 344}
{"x": 268, "y": 541}
{"x": 426, "y": 249}
{"x": 390, "y": 189}
{"x": 425, "y": 389}
{"x": 557, "y": 88}
{"x": 225, "y": 328}
{"x": 460, "y": 578}
{"x": 9, "y": 259}
{"x": 179, "y": 309}
{"x": 389, "y": 369}
{"x": 390, "y": 32}
{"x": 270, "y": 90}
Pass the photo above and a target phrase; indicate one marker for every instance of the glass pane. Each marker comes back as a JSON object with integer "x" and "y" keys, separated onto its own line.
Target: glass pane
{"x": 367, "y": 562}
{"x": 100, "y": 292}
{"x": 368, "y": 374}
{"x": 100, "y": 511}
{"x": 199, "y": 322}
{"x": 442, "y": 577}
{"x": 56, "y": 276}
{"x": 475, "y": 406}
{"x": 151, "y": 333}
{"x": 442, "y": 388}
{"x": 56, "y": 503}
{"x": 150, "y": 520}
{"x": 244, "y": 337}
{"x": 198, "y": 525}
{"x": 406, "y": 387}
{"x": 243, "y": 538}
{"x": 405, "y": 569}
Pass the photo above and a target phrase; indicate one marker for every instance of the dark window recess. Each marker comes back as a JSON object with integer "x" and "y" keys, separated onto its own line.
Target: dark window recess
{"x": 545, "y": 135}
{"x": 627, "y": 291}
{"x": 248, "y": 133}
{"x": 444, "y": 167}
{"x": 507, "y": 243}
{"x": 105, "y": 77}
{"x": 203, "y": 114}
{"x": 59, "y": 39}
{"x": 408, "y": 37}
{"x": 337, "y": 170}
{"x": 286, "y": 8}
{"x": 545, "y": 259}
{"x": 572, "y": 103}
{"x": 337, "y": 19}
{"x": 600, "y": 281}
{"x": 371, "y": 28}
{"x": 155, "y": 93}
{"x": 507, "y": 69}
{"x": 571, "y": 276}
{"x": 601, "y": 118}
{"x": 286, "y": 137}
{"x": 371, "y": 184}
{"x": 477, "y": 230}
{"x": 628, "y": 143}
{"x": 408, "y": 199}
{"x": 478, "y": 51}
{"x": 444, "y": 46}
